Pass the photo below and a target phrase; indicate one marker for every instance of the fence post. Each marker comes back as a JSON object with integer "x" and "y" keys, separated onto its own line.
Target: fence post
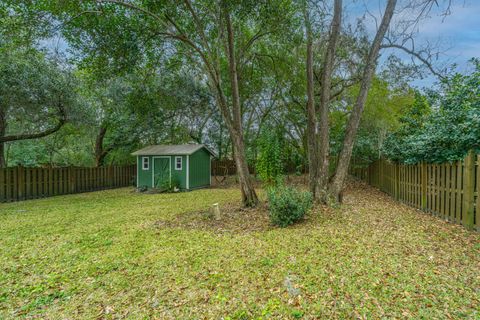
{"x": 477, "y": 211}
{"x": 109, "y": 176}
{"x": 2, "y": 184}
{"x": 21, "y": 182}
{"x": 468, "y": 190}
{"x": 397, "y": 181}
{"x": 424, "y": 186}
{"x": 380, "y": 175}
{"x": 14, "y": 184}
{"x": 71, "y": 179}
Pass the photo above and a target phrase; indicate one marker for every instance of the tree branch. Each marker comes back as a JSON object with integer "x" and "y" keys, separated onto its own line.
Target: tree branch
{"x": 416, "y": 55}
{"x": 27, "y": 136}
{"x": 134, "y": 7}
{"x": 182, "y": 37}
{"x": 199, "y": 25}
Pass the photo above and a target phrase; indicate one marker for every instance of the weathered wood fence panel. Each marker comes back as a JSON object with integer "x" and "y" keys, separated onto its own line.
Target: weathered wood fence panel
{"x": 23, "y": 183}
{"x": 227, "y": 167}
{"x": 450, "y": 191}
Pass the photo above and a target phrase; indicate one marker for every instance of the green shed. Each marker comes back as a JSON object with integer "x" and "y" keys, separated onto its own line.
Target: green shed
{"x": 186, "y": 166}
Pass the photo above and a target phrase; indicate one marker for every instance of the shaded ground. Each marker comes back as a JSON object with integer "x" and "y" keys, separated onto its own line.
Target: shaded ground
{"x": 118, "y": 254}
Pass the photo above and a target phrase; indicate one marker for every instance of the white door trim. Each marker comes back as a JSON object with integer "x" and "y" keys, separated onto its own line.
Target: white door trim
{"x": 169, "y": 168}
{"x": 188, "y": 172}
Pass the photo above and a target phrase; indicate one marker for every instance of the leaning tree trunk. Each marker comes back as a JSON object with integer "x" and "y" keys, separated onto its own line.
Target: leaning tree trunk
{"x": 311, "y": 115}
{"x": 100, "y": 153}
{"x": 324, "y": 131}
{"x": 338, "y": 180}
{"x": 249, "y": 196}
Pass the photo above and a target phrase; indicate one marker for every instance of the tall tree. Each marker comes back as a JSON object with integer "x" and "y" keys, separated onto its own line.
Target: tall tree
{"x": 249, "y": 197}
{"x": 36, "y": 96}
{"x": 324, "y": 107}
{"x": 311, "y": 112}
{"x": 338, "y": 180}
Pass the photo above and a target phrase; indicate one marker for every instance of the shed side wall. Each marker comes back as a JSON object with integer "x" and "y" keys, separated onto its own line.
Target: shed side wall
{"x": 199, "y": 169}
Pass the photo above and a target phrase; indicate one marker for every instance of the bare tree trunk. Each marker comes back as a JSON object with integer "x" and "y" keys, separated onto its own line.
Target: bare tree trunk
{"x": 338, "y": 180}
{"x": 326, "y": 79}
{"x": 220, "y": 142}
{"x": 249, "y": 196}
{"x": 311, "y": 114}
{"x": 100, "y": 153}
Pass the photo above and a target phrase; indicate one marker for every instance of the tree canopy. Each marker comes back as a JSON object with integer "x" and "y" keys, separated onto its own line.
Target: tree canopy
{"x": 442, "y": 125}
{"x": 238, "y": 76}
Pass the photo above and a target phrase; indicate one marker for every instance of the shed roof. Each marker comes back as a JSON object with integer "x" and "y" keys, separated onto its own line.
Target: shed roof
{"x": 171, "y": 150}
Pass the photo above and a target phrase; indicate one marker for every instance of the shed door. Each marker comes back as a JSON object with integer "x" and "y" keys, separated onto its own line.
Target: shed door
{"x": 161, "y": 173}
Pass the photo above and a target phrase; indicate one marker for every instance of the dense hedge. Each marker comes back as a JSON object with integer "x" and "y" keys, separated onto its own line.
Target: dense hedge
{"x": 442, "y": 126}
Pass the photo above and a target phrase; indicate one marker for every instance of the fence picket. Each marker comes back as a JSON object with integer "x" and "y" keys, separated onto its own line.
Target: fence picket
{"x": 477, "y": 206}
{"x": 453, "y": 169}
{"x": 429, "y": 189}
{"x": 407, "y": 184}
{"x": 2, "y": 185}
{"x": 434, "y": 189}
{"x": 468, "y": 190}
{"x": 437, "y": 189}
{"x": 442, "y": 190}
{"x": 458, "y": 203}
{"x": 424, "y": 187}
{"x": 34, "y": 183}
{"x": 20, "y": 183}
{"x": 449, "y": 190}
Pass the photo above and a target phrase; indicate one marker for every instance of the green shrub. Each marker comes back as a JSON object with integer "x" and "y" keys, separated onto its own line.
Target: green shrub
{"x": 169, "y": 186}
{"x": 288, "y": 205}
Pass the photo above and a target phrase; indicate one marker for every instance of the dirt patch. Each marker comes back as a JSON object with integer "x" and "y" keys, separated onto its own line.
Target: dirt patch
{"x": 232, "y": 219}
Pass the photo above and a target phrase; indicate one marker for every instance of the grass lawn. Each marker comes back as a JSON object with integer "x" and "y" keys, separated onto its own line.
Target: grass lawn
{"x": 119, "y": 254}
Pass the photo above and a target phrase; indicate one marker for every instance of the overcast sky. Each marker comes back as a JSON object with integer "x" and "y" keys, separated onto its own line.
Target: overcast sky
{"x": 458, "y": 33}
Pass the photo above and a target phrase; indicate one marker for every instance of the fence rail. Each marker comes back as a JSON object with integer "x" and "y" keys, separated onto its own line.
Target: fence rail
{"x": 448, "y": 190}
{"x": 23, "y": 183}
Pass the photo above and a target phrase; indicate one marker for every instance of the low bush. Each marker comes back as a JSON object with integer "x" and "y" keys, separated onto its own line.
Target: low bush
{"x": 169, "y": 186}
{"x": 287, "y": 205}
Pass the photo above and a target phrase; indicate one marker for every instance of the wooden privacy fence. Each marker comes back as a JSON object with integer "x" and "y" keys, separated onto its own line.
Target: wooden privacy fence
{"x": 23, "y": 183}
{"x": 228, "y": 167}
{"x": 225, "y": 167}
{"x": 448, "y": 190}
